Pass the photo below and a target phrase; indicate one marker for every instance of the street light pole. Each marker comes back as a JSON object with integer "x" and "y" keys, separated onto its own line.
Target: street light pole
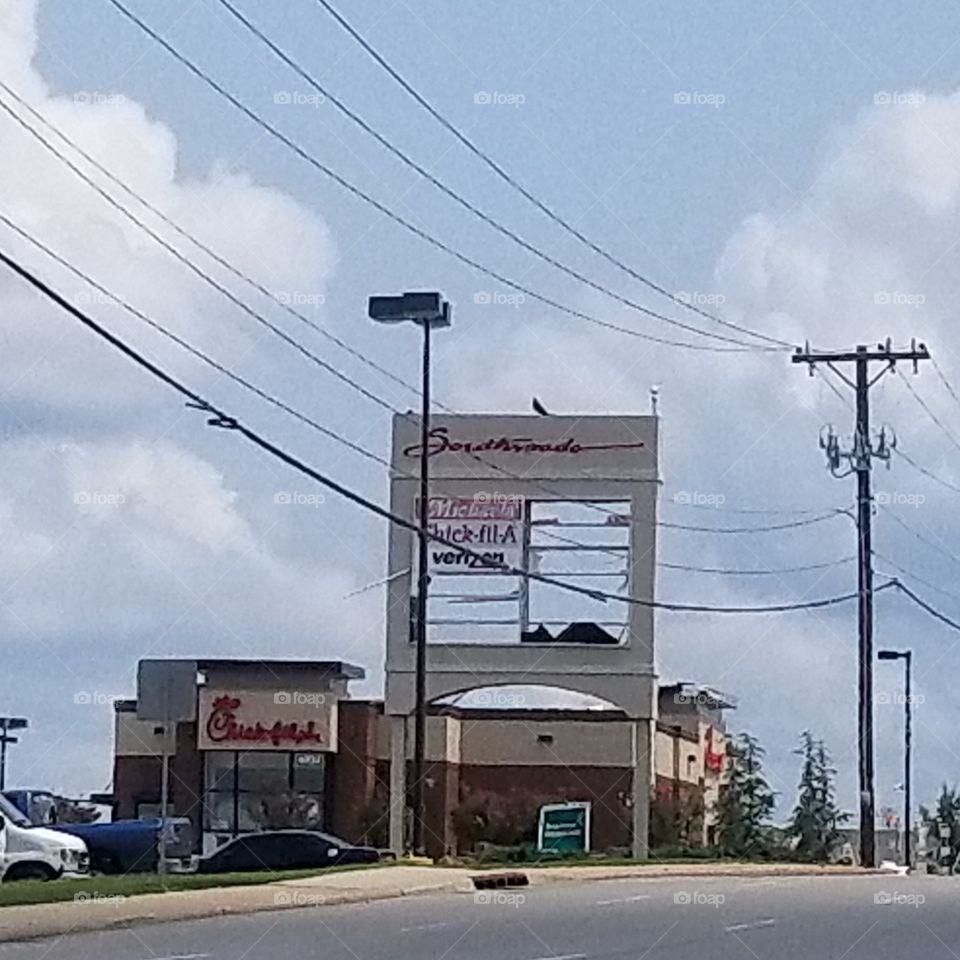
{"x": 427, "y": 310}
{"x": 907, "y": 657}
{"x": 423, "y": 586}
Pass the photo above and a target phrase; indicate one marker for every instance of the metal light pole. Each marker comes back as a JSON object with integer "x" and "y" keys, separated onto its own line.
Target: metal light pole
{"x": 427, "y": 310}
{"x": 907, "y": 657}
{"x": 6, "y": 725}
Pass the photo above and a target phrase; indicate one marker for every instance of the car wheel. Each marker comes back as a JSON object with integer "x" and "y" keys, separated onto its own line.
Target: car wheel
{"x": 30, "y": 871}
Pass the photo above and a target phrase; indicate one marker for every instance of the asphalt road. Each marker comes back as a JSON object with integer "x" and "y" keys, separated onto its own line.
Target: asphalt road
{"x": 750, "y": 919}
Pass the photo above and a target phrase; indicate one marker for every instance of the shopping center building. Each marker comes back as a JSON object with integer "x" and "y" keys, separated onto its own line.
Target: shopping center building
{"x": 279, "y": 744}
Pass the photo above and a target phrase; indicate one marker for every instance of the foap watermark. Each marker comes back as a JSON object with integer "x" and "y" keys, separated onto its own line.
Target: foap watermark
{"x": 293, "y": 498}
{"x": 697, "y": 898}
{"x": 93, "y": 298}
{"x": 494, "y": 98}
{"x": 499, "y": 699}
{"x": 499, "y": 898}
{"x": 299, "y": 698}
{"x": 99, "y": 899}
{"x": 700, "y": 298}
{"x": 697, "y": 98}
{"x": 498, "y": 498}
{"x": 99, "y": 498}
{"x": 899, "y": 498}
{"x": 899, "y": 98}
{"x": 300, "y": 298}
{"x": 298, "y": 98}
{"x": 698, "y": 498}
{"x": 94, "y": 698}
{"x": 99, "y": 98}
{"x": 898, "y": 298}
{"x": 899, "y": 699}
{"x": 497, "y": 298}
{"x": 298, "y": 898}
{"x": 893, "y": 898}
{"x": 700, "y": 697}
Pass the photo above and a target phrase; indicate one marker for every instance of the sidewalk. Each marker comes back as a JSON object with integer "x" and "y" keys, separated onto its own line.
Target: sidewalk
{"x": 356, "y": 886}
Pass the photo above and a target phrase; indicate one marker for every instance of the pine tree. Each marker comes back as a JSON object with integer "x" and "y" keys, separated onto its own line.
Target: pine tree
{"x": 745, "y": 801}
{"x": 816, "y": 817}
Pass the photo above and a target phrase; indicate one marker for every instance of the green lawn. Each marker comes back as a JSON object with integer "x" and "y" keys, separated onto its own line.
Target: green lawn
{"x": 20, "y": 892}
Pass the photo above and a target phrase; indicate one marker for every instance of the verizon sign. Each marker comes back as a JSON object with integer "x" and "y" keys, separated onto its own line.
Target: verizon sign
{"x": 491, "y": 528}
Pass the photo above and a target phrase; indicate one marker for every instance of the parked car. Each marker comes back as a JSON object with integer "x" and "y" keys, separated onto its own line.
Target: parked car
{"x": 133, "y": 846}
{"x": 286, "y": 850}
{"x": 37, "y": 853}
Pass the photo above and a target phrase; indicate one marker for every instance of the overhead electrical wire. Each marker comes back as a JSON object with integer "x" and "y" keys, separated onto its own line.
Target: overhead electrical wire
{"x": 523, "y": 191}
{"x": 221, "y": 419}
{"x": 920, "y": 602}
{"x": 231, "y": 268}
{"x": 199, "y": 244}
{"x": 198, "y": 271}
{"x": 189, "y": 347}
{"x": 459, "y": 199}
{"x": 382, "y": 208}
{"x": 929, "y": 410}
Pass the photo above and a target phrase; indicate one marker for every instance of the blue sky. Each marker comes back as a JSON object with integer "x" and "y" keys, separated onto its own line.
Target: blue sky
{"x": 799, "y": 187}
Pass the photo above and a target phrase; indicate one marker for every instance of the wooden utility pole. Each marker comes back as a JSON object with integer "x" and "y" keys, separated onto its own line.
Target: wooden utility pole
{"x": 859, "y": 459}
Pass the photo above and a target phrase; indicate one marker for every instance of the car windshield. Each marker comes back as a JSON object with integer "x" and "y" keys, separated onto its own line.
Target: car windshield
{"x": 9, "y": 812}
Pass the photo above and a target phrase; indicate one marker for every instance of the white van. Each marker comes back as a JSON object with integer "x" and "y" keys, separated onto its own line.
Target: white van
{"x": 37, "y": 853}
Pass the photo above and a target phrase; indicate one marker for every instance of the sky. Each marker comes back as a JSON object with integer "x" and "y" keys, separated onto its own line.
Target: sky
{"x": 793, "y": 167}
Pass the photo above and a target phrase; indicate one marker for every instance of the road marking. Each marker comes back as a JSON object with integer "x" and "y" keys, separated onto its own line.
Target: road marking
{"x": 182, "y": 956}
{"x": 566, "y": 956}
{"x": 640, "y": 896}
{"x": 431, "y": 926}
{"x": 737, "y": 927}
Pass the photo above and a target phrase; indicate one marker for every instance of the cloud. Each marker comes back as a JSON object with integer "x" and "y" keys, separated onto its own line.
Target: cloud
{"x": 122, "y": 538}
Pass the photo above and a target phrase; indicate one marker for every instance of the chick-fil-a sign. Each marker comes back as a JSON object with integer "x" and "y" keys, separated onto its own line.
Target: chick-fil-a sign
{"x": 225, "y": 725}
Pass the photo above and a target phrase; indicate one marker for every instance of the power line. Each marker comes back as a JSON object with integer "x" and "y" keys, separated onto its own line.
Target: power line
{"x": 927, "y": 473}
{"x": 516, "y": 185}
{"x": 198, "y": 271}
{"x": 186, "y": 345}
{"x": 942, "y": 617}
{"x": 914, "y": 576}
{"x": 226, "y": 264}
{"x": 929, "y": 411}
{"x": 949, "y": 554}
{"x": 397, "y": 218}
{"x": 725, "y": 571}
{"x": 219, "y": 418}
{"x": 459, "y": 199}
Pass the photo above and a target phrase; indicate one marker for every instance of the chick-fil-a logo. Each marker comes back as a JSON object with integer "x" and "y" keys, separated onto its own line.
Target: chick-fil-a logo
{"x": 440, "y": 442}
{"x": 224, "y": 727}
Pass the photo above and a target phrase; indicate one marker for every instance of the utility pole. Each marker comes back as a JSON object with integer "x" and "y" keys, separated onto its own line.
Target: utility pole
{"x": 859, "y": 458}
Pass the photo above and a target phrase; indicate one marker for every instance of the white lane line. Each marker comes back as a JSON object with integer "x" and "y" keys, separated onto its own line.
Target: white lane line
{"x": 183, "y": 956}
{"x": 565, "y": 956}
{"x": 640, "y": 896}
{"x": 737, "y": 927}
{"x": 432, "y": 926}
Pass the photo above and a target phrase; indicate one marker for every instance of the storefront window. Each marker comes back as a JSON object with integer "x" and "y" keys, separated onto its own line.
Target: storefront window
{"x": 263, "y": 790}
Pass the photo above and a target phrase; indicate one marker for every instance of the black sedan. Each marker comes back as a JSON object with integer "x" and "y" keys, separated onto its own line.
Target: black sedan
{"x": 286, "y": 850}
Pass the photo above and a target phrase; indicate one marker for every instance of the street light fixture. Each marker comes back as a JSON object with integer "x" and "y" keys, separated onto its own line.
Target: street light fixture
{"x": 907, "y": 657}
{"x": 427, "y": 310}
{"x": 6, "y": 725}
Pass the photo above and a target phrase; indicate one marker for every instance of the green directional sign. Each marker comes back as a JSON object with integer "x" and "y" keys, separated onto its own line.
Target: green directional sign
{"x": 564, "y": 828}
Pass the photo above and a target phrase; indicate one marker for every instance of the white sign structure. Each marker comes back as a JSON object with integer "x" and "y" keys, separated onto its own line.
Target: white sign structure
{"x": 491, "y": 528}
{"x": 495, "y": 479}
